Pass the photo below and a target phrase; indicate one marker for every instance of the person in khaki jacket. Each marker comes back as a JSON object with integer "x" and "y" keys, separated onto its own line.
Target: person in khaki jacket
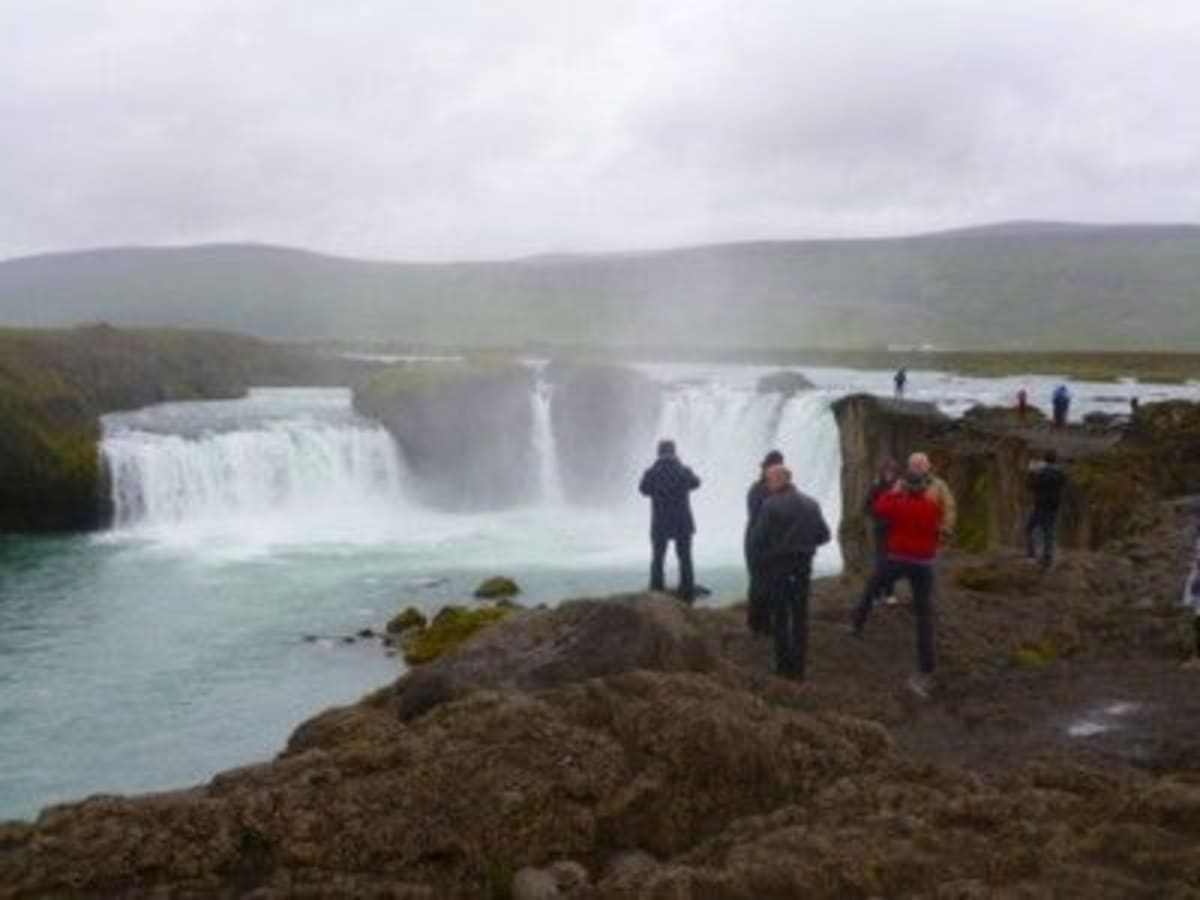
{"x": 919, "y": 464}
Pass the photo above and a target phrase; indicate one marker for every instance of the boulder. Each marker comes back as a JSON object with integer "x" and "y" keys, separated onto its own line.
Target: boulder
{"x": 574, "y": 642}
{"x": 410, "y": 618}
{"x": 497, "y": 587}
{"x": 452, "y": 626}
{"x": 787, "y": 383}
{"x": 466, "y": 429}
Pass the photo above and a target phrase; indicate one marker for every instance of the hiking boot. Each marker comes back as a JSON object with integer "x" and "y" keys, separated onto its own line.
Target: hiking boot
{"x": 921, "y": 684}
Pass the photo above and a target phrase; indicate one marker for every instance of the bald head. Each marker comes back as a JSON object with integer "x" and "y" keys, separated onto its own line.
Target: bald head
{"x": 778, "y": 478}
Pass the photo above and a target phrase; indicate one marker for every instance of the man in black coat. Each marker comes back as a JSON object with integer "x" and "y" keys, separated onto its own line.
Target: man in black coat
{"x": 1047, "y": 481}
{"x": 786, "y": 534}
{"x": 668, "y": 483}
{"x": 758, "y": 609}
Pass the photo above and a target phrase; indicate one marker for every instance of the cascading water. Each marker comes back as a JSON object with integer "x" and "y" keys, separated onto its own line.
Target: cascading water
{"x": 722, "y": 431}
{"x": 550, "y": 486}
{"x": 254, "y": 468}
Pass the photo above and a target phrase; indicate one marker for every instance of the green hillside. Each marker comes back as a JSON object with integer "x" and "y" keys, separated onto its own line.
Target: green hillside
{"x": 1009, "y": 287}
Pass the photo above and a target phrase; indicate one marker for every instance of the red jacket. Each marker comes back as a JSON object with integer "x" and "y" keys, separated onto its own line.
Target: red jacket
{"x": 913, "y": 521}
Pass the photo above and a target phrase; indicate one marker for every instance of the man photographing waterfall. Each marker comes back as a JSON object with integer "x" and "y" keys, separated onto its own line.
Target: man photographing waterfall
{"x": 669, "y": 483}
{"x": 785, "y": 535}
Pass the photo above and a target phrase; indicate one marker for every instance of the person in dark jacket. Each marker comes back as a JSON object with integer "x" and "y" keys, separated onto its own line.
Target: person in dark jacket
{"x": 885, "y": 480}
{"x": 668, "y": 483}
{"x": 786, "y": 533}
{"x": 758, "y": 606}
{"x": 1060, "y": 403}
{"x": 914, "y": 515}
{"x": 901, "y": 381}
{"x": 1046, "y": 481}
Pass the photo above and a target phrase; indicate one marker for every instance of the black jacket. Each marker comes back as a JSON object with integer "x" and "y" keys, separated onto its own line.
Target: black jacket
{"x": 1047, "y": 483}
{"x": 788, "y": 526}
{"x": 668, "y": 483}
{"x": 754, "y": 501}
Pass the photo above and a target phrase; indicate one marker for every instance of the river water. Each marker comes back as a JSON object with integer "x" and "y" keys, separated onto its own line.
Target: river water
{"x": 173, "y": 646}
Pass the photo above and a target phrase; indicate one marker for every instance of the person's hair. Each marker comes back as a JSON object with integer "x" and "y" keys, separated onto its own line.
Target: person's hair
{"x": 666, "y": 448}
{"x": 889, "y": 465}
{"x": 773, "y": 458}
{"x": 1051, "y": 455}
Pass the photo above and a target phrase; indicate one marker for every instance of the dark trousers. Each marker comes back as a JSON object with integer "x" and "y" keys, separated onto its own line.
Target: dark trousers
{"x": 1041, "y": 523}
{"x": 683, "y": 552}
{"x": 787, "y": 585}
{"x": 758, "y": 603}
{"x": 920, "y": 579}
{"x": 885, "y": 586}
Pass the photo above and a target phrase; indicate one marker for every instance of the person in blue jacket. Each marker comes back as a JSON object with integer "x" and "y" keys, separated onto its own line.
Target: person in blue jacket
{"x": 669, "y": 484}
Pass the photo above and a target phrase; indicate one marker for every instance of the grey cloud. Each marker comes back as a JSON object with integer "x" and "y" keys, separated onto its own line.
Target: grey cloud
{"x": 453, "y": 129}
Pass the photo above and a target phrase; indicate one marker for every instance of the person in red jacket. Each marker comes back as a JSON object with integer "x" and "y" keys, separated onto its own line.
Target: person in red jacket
{"x": 914, "y": 517}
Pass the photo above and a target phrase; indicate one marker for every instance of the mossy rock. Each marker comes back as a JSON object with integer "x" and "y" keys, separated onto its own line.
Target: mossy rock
{"x": 497, "y": 587}
{"x": 407, "y": 620}
{"x": 1035, "y": 655}
{"x": 450, "y": 627}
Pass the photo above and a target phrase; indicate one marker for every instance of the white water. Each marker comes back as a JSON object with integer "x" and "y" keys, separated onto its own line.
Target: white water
{"x": 549, "y": 476}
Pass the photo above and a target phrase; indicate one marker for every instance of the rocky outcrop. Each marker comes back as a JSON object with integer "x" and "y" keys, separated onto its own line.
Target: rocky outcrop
{"x": 583, "y": 768}
{"x": 604, "y": 419}
{"x": 466, "y": 429}
{"x": 985, "y": 456}
{"x": 786, "y": 383}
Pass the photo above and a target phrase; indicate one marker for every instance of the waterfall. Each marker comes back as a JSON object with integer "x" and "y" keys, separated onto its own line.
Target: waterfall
{"x": 313, "y": 471}
{"x": 723, "y": 431}
{"x": 550, "y": 487}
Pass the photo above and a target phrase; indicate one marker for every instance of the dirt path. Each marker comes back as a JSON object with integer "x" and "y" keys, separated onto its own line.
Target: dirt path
{"x": 1044, "y": 669}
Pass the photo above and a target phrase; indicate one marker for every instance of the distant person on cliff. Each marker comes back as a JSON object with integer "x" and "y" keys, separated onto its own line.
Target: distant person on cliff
{"x": 885, "y": 480}
{"x": 786, "y": 533}
{"x": 758, "y": 608}
{"x": 1061, "y": 403}
{"x": 1022, "y": 404}
{"x": 901, "y": 381}
{"x": 915, "y": 515}
{"x": 1046, "y": 481}
{"x": 668, "y": 483}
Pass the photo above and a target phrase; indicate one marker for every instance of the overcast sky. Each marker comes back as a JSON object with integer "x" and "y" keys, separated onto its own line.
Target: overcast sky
{"x": 495, "y": 128}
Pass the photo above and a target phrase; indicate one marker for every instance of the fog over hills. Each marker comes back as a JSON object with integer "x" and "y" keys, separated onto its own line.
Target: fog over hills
{"x": 1016, "y": 285}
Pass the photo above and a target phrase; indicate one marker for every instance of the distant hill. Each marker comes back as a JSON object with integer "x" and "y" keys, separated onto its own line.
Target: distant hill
{"x": 1020, "y": 285}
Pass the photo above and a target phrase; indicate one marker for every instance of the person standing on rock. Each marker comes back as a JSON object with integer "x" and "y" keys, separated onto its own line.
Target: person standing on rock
{"x": 786, "y": 533}
{"x": 885, "y": 480}
{"x": 758, "y": 607}
{"x": 901, "y": 381}
{"x": 914, "y": 513}
{"x": 1046, "y": 481}
{"x": 669, "y": 483}
{"x": 1061, "y": 404}
{"x": 1022, "y": 404}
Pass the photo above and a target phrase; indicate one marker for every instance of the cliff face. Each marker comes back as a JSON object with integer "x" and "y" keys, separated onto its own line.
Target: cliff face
{"x": 466, "y": 429}
{"x": 985, "y": 456}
